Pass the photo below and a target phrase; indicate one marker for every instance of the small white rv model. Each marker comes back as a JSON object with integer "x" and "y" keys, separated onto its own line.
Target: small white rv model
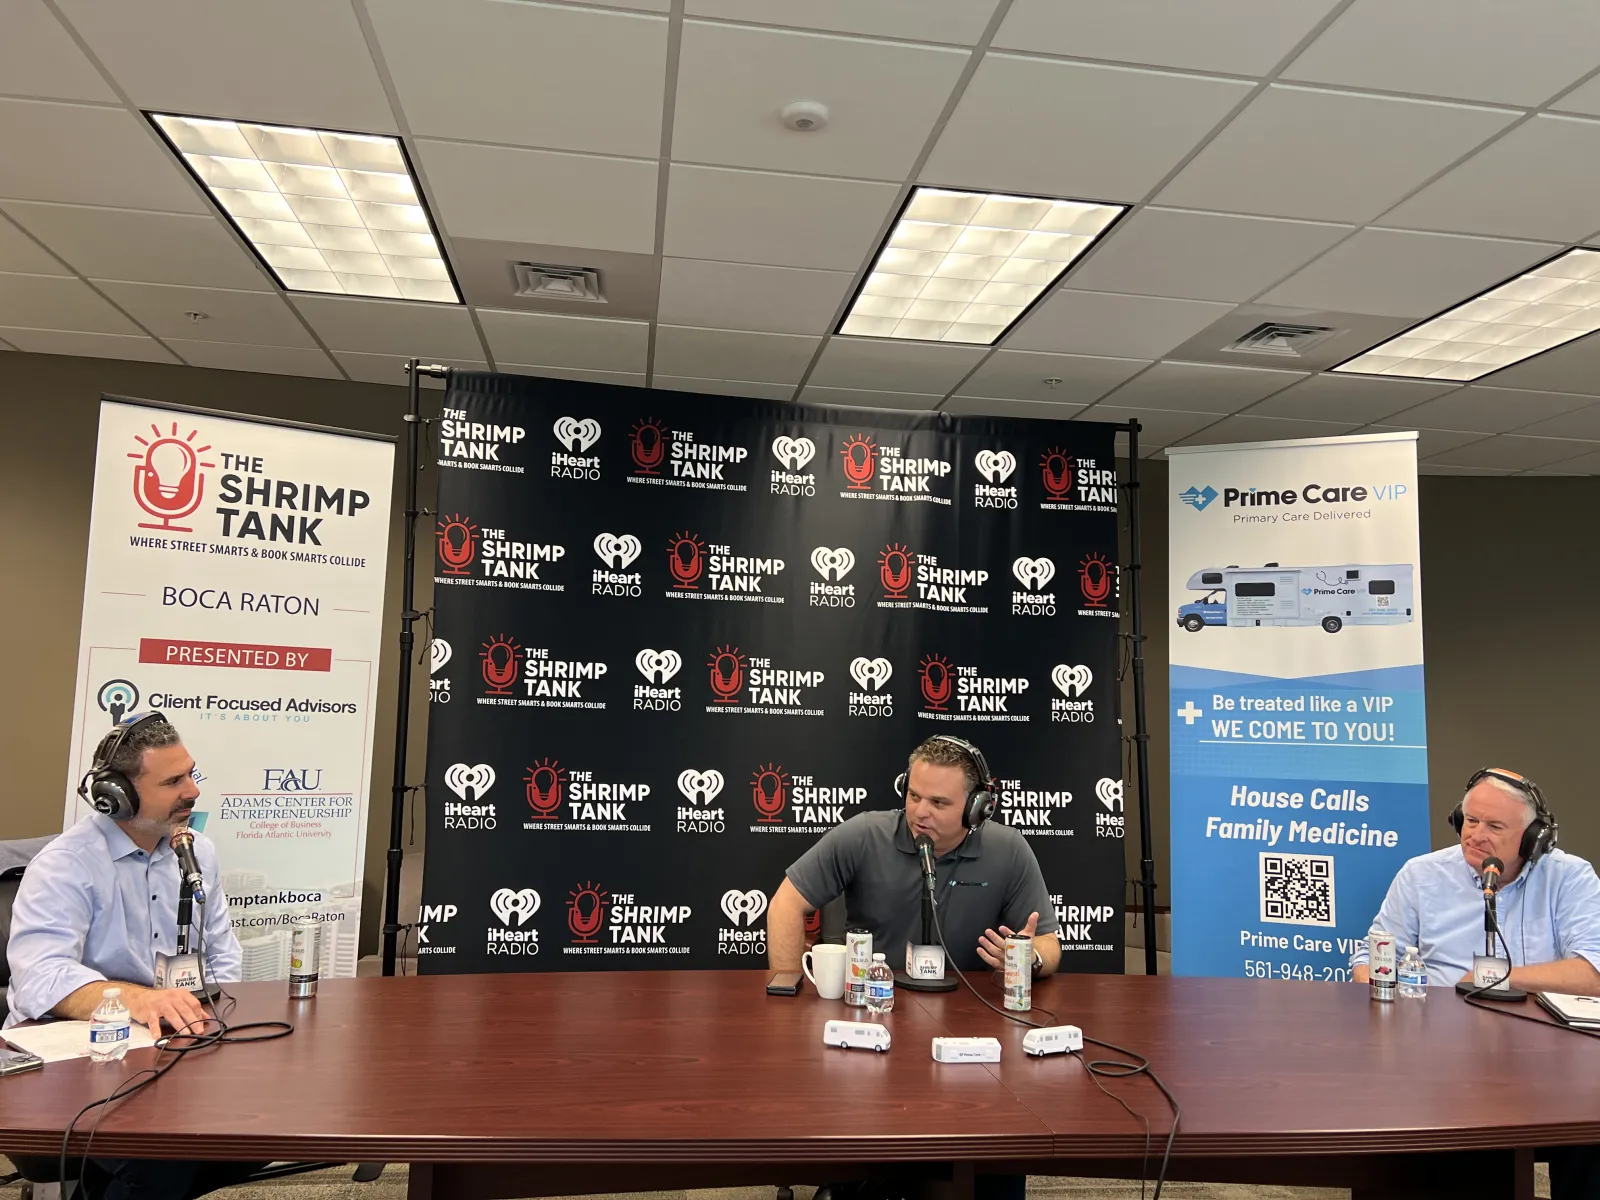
{"x": 856, "y": 1035}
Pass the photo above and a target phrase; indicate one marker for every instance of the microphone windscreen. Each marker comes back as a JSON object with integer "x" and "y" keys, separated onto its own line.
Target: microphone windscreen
{"x": 1493, "y": 864}
{"x": 923, "y": 840}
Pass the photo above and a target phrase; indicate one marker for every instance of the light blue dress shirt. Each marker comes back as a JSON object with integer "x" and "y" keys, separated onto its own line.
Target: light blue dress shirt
{"x": 93, "y": 906}
{"x": 1550, "y": 911}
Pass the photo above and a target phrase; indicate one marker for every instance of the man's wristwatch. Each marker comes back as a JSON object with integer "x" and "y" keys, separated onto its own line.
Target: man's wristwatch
{"x": 1038, "y": 961}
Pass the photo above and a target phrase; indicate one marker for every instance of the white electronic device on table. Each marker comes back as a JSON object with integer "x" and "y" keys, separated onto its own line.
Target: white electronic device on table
{"x": 966, "y": 1049}
{"x": 856, "y": 1035}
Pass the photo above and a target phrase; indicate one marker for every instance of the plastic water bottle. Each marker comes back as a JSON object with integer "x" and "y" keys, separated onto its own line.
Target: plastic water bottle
{"x": 109, "y": 1028}
{"x": 880, "y": 986}
{"x": 1413, "y": 976}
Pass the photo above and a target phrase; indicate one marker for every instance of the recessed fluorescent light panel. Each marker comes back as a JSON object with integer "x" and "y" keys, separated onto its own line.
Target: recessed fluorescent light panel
{"x": 964, "y": 266}
{"x": 1537, "y": 311}
{"x": 326, "y": 211}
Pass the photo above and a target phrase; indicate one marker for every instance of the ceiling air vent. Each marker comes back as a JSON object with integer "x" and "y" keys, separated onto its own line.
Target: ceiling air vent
{"x": 546, "y": 281}
{"x": 1280, "y": 340}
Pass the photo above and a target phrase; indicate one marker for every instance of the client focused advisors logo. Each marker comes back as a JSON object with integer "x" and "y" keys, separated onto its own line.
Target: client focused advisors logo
{"x": 169, "y": 479}
{"x": 871, "y": 676}
{"x": 573, "y": 460}
{"x": 657, "y": 667}
{"x": 514, "y": 908}
{"x": 1096, "y": 579}
{"x": 788, "y": 802}
{"x": 617, "y": 552}
{"x": 1033, "y": 574}
{"x": 996, "y": 466}
{"x": 951, "y": 692}
{"x": 793, "y": 453}
{"x": 1198, "y": 498}
{"x": 833, "y": 566}
{"x": 574, "y": 800}
{"x": 700, "y": 788}
{"x": 1072, "y": 682}
{"x": 477, "y": 445}
{"x": 545, "y": 786}
{"x": 117, "y": 697}
{"x": 439, "y": 653}
{"x": 754, "y": 685}
{"x": 1032, "y": 810}
{"x": 743, "y": 934}
{"x": 618, "y": 923}
{"x": 1109, "y": 793}
{"x": 471, "y": 784}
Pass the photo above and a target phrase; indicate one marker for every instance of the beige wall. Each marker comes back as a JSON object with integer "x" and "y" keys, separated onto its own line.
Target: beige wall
{"x": 1510, "y": 567}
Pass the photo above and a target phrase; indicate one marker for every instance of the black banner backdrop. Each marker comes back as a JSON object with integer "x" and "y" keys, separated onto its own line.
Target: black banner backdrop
{"x": 679, "y": 637}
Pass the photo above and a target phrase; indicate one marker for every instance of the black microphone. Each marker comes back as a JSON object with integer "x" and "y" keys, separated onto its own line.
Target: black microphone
{"x": 182, "y": 842}
{"x": 925, "y": 854}
{"x": 1490, "y": 869}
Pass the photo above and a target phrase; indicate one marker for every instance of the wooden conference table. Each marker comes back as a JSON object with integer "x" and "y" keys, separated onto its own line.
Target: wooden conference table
{"x": 556, "y": 1084}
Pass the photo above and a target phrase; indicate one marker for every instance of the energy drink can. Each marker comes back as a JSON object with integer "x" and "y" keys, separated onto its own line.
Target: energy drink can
{"x": 305, "y": 950}
{"x": 857, "y": 961}
{"x": 1380, "y": 964}
{"x": 1019, "y": 973}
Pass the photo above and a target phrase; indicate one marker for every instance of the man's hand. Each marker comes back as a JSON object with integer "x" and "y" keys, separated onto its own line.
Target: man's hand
{"x": 180, "y": 1009}
{"x": 992, "y": 945}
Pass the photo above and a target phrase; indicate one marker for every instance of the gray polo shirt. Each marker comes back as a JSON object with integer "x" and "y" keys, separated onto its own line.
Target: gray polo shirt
{"x": 990, "y": 879}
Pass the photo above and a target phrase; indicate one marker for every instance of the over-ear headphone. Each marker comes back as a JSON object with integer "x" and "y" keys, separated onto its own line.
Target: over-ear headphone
{"x": 108, "y": 791}
{"x": 982, "y": 800}
{"x": 1539, "y": 836}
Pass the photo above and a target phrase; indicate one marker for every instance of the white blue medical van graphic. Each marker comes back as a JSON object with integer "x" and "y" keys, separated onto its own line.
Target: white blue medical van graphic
{"x": 1333, "y": 597}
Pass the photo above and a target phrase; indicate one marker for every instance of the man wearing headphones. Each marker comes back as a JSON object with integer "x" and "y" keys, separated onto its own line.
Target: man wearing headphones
{"x": 987, "y": 877}
{"x": 101, "y": 901}
{"x": 1549, "y": 902}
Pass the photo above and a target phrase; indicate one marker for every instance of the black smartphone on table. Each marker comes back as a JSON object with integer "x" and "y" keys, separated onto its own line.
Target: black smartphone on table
{"x": 784, "y": 983}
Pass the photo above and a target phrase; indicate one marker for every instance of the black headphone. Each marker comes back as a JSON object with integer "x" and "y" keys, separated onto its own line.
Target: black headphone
{"x": 982, "y": 800}
{"x": 111, "y": 792}
{"x": 1539, "y": 836}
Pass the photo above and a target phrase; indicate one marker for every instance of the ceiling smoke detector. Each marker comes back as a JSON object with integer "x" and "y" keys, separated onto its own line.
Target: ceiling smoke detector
{"x": 804, "y": 116}
{"x": 546, "y": 281}
{"x": 1280, "y": 339}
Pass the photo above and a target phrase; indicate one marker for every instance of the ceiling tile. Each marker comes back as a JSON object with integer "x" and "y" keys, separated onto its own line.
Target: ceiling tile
{"x": 924, "y": 367}
{"x": 1022, "y": 375}
{"x": 1539, "y": 181}
{"x": 726, "y": 354}
{"x": 1585, "y": 99}
{"x": 1391, "y": 273}
{"x": 659, "y": 6}
{"x": 502, "y": 194}
{"x": 1429, "y": 441}
{"x": 620, "y": 378}
{"x": 1099, "y": 323}
{"x": 391, "y": 368}
{"x": 1330, "y": 156}
{"x": 19, "y": 252}
{"x": 1441, "y": 469}
{"x": 732, "y": 82}
{"x": 1201, "y": 256}
{"x": 114, "y": 159}
{"x": 243, "y": 318}
{"x": 1587, "y": 464}
{"x": 546, "y": 340}
{"x": 720, "y": 295}
{"x": 39, "y": 58}
{"x": 1574, "y": 367}
{"x": 268, "y": 360}
{"x": 147, "y": 247}
{"x": 1582, "y": 423}
{"x": 1521, "y": 53}
{"x": 516, "y": 93}
{"x": 994, "y": 406}
{"x": 1158, "y": 427}
{"x": 724, "y": 387}
{"x": 301, "y": 62}
{"x": 1264, "y": 429}
{"x": 780, "y": 220}
{"x": 866, "y": 398}
{"x": 58, "y": 302}
{"x": 1008, "y": 131}
{"x": 1348, "y": 398}
{"x": 1515, "y": 452}
{"x": 87, "y": 345}
{"x": 427, "y": 331}
{"x": 1239, "y": 37}
{"x": 1488, "y": 410}
{"x": 1201, "y": 387}
{"x": 960, "y": 21}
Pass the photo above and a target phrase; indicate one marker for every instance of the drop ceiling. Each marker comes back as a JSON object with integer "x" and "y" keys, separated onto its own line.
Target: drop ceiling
{"x": 1356, "y": 164}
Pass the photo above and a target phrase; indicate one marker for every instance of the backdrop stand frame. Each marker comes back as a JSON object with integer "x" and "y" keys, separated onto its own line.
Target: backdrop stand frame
{"x": 1146, "y": 882}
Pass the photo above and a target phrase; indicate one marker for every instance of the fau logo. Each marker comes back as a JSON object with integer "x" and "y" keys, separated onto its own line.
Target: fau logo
{"x": 648, "y": 444}
{"x": 727, "y": 674}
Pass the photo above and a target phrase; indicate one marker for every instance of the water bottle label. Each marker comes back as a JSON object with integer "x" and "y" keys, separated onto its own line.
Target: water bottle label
{"x": 105, "y": 1035}
{"x": 879, "y": 990}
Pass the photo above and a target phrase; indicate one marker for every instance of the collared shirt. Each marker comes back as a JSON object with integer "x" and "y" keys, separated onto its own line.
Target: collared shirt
{"x": 93, "y": 907}
{"x": 1550, "y": 911}
{"x": 990, "y": 879}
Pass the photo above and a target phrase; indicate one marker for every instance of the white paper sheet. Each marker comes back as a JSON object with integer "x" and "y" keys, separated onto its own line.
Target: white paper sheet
{"x": 55, "y": 1041}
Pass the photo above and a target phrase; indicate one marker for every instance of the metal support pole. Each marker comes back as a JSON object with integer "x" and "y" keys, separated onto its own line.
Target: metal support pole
{"x": 1141, "y": 731}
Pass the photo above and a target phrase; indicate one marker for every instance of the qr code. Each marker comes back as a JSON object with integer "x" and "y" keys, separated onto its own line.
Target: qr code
{"x": 1297, "y": 889}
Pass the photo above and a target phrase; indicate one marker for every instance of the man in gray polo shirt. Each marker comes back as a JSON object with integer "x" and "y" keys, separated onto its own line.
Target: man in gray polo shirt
{"x": 988, "y": 881}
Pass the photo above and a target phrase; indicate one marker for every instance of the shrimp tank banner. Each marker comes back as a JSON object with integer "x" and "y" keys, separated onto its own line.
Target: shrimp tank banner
{"x": 677, "y": 638}
{"x": 1299, "y": 741}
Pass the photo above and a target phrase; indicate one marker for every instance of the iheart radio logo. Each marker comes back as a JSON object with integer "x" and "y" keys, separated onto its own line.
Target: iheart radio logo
{"x": 586, "y": 912}
{"x": 617, "y": 551}
{"x": 546, "y": 783}
{"x": 835, "y": 562}
{"x": 649, "y": 445}
{"x": 995, "y": 465}
{"x": 937, "y": 682}
{"x": 743, "y": 908}
{"x": 458, "y": 544}
{"x": 469, "y": 782}
{"x": 1056, "y": 469}
{"x": 577, "y": 436}
{"x": 769, "y": 792}
{"x": 1071, "y": 680}
{"x": 438, "y": 655}
{"x": 686, "y": 560}
{"x": 502, "y": 659}
{"x": 793, "y": 452}
{"x": 658, "y": 666}
{"x": 727, "y": 674}
{"x": 699, "y": 787}
{"x": 870, "y": 674}
{"x": 1033, "y": 573}
{"x": 860, "y": 455}
{"x": 168, "y": 481}
{"x": 1109, "y": 792}
{"x": 506, "y": 904}
{"x": 894, "y": 571}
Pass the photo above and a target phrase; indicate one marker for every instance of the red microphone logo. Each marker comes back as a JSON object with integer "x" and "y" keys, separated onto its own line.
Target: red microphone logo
{"x": 860, "y": 460}
{"x": 814, "y": 923}
{"x": 458, "y": 544}
{"x": 769, "y": 791}
{"x": 1056, "y": 468}
{"x": 727, "y": 674}
{"x": 1094, "y": 577}
{"x": 167, "y": 482}
{"x": 649, "y": 445}
{"x": 686, "y": 559}
{"x": 546, "y": 781}
{"x": 894, "y": 571}
{"x": 586, "y": 911}
{"x": 934, "y": 674}
{"x": 501, "y": 656}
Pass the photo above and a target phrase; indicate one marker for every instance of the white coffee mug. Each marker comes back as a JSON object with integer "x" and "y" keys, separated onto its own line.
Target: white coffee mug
{"x": 827, "y": 960}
